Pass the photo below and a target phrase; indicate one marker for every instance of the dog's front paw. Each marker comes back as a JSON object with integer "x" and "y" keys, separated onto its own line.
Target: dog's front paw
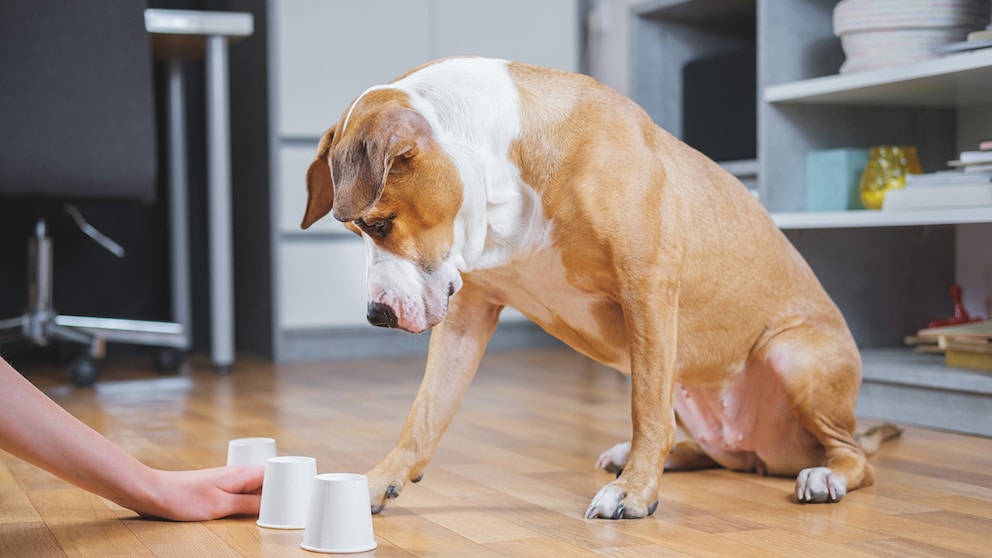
{"x": 613, "y": 459}
{"x": 384, "y": 486}
{"x": 615, "y": 502}
{"x": 820, "y": 484}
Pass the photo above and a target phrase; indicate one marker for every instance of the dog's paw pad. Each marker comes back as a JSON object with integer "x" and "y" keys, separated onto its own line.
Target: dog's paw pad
{"x": 613, "y": 459}
{"x": 820, "y": 484}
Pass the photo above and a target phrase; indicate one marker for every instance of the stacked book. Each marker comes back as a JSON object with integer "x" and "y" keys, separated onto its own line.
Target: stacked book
{"x": 968, "y": 183}
{"x": 964, "y": 346}
{"x": 975, "y": 40}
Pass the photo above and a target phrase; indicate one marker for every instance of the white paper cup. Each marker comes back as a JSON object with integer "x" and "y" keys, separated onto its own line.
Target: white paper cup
{"x": 250, "y": 452}
{"x": 340, "y": 516}
{"x": 286, "y": 492}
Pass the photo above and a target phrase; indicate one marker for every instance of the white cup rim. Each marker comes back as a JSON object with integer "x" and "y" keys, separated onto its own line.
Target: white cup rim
{"x": 290, "y": 459}
{"x": 252, "y": 441}
{"x": 340, "y": 477}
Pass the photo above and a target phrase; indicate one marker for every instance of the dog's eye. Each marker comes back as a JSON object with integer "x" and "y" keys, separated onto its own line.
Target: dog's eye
{"x": 375, "y": 227}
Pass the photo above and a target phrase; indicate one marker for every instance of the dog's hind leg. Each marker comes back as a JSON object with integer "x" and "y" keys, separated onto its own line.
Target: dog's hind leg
{"x": 613, "y": 459}
{"x": 820, "y": 372}
{"x": 686, "y": 455}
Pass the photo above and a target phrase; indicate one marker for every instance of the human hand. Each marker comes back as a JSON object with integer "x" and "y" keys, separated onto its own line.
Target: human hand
{"x": 202, "y": 494}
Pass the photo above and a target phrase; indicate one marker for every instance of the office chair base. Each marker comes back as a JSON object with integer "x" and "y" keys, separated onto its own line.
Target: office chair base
{"x": 40, "y": 324}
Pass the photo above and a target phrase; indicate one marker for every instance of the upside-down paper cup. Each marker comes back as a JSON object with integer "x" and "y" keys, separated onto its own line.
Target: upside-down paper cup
{"x": 340, "y": 516}
{"x": 286, "y": 492}
{"x": 250, "y": 452}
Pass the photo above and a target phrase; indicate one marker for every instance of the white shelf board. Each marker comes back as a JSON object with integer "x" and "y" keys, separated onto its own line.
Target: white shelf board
{"x": 950, "y": 81}
{"x": 866, "y": 218}
{"x": 692, "y": 10}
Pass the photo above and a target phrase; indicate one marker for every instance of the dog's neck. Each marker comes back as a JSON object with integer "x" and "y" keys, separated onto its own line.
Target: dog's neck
{"x": 474, "y": 110}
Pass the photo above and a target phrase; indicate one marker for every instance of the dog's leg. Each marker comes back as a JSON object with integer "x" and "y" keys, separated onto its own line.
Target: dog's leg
{"x": 685, "y": 456}
{"x": 821, "y": 376}
{"x": 613, "y": 459}
{"x": 652, "y": 323}
{"x": 456, "y": 347}
{"x": 688, "y": 456}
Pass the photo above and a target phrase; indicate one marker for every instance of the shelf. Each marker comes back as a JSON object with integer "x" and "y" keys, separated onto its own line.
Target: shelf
{"x": 743, "y": 167}
{"x": 694, "y": 11}
{"x": 903, "y": 386}
{"x": 866, "y": 218}
{"x": 906, "y": 366}
{"x": 951, "y": 81}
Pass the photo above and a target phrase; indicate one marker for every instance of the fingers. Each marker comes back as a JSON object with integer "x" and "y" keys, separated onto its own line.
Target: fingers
{"x": 241, "y": 480}
{"x": 244, "y": 486}
{"x": 242, "y": 504}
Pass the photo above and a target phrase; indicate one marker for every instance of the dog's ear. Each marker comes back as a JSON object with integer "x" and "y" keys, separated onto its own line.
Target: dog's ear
{"x": 361, "y": 165}
{"x": 320, "y": 185}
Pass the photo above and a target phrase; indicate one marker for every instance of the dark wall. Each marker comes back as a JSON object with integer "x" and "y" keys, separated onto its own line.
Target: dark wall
{"x": 888, "y": 282}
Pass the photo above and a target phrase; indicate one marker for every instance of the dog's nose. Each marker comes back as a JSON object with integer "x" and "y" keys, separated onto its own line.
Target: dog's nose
{"x": 380, "y": 315}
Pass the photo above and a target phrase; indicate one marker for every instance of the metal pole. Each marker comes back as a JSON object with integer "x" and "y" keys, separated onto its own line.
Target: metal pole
{"x": 219, "y": 198}
{"x": 178, "y": 204}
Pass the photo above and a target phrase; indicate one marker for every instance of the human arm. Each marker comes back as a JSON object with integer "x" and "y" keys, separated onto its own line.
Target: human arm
{"x": 39, "y": 431}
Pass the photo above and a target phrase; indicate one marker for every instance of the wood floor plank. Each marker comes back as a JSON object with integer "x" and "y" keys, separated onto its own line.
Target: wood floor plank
{"x": 84, "y": 525}
{"x": 15, "y": 506}
{"x": 28, "y": 540}
{"x": 512, "y": 476}
{"x": 899, "y": 547}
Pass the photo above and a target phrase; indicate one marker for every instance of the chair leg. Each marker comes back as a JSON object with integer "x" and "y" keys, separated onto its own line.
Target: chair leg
{"x": 41, "y": 323}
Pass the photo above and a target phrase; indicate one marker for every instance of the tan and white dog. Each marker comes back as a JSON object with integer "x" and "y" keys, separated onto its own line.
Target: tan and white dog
{"x": 478, "y": 184}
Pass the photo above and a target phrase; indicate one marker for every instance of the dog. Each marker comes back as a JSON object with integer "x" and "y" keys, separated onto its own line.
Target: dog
{"x": 479, "y": 183}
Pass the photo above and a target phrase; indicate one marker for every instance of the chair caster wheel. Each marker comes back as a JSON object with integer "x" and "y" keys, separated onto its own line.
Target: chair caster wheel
{"x": 168, "y": 359}
{"x": 83, "y": 371}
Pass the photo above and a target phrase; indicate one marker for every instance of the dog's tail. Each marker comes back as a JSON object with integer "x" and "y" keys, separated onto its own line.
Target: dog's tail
{"x": 870, "y": 440}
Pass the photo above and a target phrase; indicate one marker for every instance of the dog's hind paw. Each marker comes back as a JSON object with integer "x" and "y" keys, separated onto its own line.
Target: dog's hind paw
{"x": 820, "y": 484}
{"x": 613, "y": 459}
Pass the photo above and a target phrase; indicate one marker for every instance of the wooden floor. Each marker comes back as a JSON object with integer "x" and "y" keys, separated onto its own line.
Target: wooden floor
{"x": 512, "y": 476}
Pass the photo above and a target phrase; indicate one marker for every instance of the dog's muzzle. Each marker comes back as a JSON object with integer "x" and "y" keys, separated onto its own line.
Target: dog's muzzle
{"x": 380, "y": 315}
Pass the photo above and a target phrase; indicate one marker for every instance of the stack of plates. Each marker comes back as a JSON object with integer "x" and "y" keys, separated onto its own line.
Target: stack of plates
{"x": 878, "y": 33}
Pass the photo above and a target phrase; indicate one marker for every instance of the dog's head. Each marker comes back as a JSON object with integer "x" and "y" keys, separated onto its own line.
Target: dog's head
{"x": 384, "y": 175}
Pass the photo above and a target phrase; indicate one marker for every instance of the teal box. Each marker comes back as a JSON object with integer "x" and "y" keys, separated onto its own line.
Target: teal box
{"x": 833, "y": 179}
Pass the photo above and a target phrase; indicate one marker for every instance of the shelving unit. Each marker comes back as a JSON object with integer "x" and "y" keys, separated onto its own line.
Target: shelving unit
{"x": 912, "y": 388}
{"x": 951, "y": 81}
{"x": 865, "y": 219}
{"x": 888, "y": 271}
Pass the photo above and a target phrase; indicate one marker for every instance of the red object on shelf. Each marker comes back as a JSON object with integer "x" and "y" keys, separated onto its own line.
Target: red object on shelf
{"x": 961, "y": 316}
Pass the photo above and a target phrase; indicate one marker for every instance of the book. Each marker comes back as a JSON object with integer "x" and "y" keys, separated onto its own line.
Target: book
{"x": 981, "y": 35}
{"x": 968, "y": 157}
{"x": 971, "y": 338}
{"x": 975, "y": 166}
{"x": 973, "y": 332}
{"x": 947, "y": 177}
{"x": 973, "y": 361}
{"x": 938, "y": 196}
{"x": 985, "y": 145}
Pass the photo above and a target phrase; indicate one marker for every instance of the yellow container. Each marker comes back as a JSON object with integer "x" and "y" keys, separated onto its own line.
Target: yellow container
{"x": 887, "y": 168}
